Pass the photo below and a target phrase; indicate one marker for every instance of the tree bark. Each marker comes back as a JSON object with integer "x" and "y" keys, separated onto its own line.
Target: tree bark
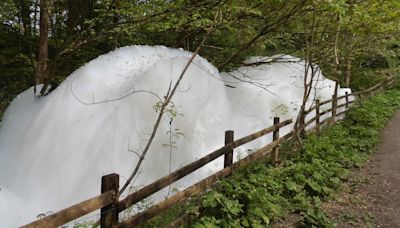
{"x": 337, "y": 69}
{"x": 74, "y": 7}
{"x": 35, "y": 11}
{"x": 347, "y": 73}
{"x": 115, "y": 20}
{"x": 23, "y": 6}
{"x": 42, "y": 64}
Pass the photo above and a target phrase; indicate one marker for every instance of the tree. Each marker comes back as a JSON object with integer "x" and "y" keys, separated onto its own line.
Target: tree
{"x": 42, "y": 70}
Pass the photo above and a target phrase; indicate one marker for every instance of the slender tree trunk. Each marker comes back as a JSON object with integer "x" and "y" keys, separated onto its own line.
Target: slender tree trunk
{"x": 347, "y": 73}
{"x": 74, "y": 7}
{"x": 26, "y": 18}
{"x": 42, "y": 64}
{"x": 335, "y": 49}
{"x": 115, "y": 20}
{"x": 337, "y": 68}
{"x": 35, "y": 11}
{"x": 309, "y": 74}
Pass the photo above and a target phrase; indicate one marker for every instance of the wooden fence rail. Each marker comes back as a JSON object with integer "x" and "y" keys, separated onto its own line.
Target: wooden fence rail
{"x": 202, "y": 185}
{"x": 184, "y": 171}
{"x": 111, "y": 206}
{"x": 75, "y": 211}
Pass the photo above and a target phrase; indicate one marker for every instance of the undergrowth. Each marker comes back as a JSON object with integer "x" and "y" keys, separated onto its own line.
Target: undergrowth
{"x": 259, "y": 194}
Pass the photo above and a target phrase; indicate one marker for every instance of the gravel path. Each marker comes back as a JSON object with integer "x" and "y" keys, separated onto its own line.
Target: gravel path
{"x": 385, "y": 175}
{"x": 372, "y": 196}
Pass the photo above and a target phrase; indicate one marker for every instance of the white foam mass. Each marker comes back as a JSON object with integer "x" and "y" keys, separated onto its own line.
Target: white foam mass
{"x": 268, "y": 87}
{"x": 54, "y": 149}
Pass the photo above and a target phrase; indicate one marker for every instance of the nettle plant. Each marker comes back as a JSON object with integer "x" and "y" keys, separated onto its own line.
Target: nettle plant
{"x": 174, "y": 134}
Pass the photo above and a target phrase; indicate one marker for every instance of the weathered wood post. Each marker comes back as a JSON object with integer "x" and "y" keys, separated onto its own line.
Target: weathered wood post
{"x": 228, "y": 158}
{"x": 317, "y": 116}
{"x": 109, "y": 214}
{"x": 347, "y": 99}
{"x": 275, "y": 136}
{"x": 334, "y": 105}
{"x": 302, "y": 123}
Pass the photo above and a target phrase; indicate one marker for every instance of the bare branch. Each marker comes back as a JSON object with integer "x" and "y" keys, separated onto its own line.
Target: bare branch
{"x": 167, "y": 100}
{"x": 133, "y": 151}
{"x": 254, "y": 83}
{"x": 264, "y": 31}
{"x": 93, "y": 102}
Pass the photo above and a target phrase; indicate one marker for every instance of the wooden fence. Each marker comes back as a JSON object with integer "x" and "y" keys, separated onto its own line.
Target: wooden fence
{"x": 111, "y": 206}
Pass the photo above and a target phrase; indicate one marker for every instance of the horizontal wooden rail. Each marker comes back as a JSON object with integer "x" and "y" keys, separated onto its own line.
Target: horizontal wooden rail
{"x": 184, "y": 171}
{"x": 310, "y": 121}
{"x": 199, "y": 186}
{"x": 75, "y": 211}
{"x": 369, "y": 89}
{"x": 357, "y": 93}
{"x": 388, "y": 82}
{"x": 375, "y": 88}
{"x": 342, "y": 105}
{"x": 308, "y": 111}
{"x": 351, "y": 102}
{"x": 325, "y": 102}
{"x": 326, "y": 111}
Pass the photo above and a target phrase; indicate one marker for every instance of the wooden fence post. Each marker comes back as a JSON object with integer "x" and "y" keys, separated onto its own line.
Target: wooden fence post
{"x": 334, "y": 105}
{"x": 347, "y": 99}
{"x": 275, "y": 136}
{"x": 109, "y": 214}
{"x": 228, "y": 158}
{"x": 317, "y": 115}
{"x": 302, "y": 124}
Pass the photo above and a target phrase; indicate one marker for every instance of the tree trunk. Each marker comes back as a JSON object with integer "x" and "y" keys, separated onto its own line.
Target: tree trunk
{"x": 74, "y": 7}
{"x": 35, "y": 11}
{"x": 25, "y": 11}
{"x": 115, "y": 20}
{"x": 347, "y": 73}
{"x": 335, "y": 49}
{"x": 337, "y": 69}
{"x": 42, "y": 64}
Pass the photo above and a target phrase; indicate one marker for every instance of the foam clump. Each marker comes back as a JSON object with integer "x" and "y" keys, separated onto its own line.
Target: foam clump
{"x": 54, "y": 149}
{"x": 268, "y": 87}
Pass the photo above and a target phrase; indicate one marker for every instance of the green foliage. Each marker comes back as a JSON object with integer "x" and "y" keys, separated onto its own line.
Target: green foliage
{"x": 80, "y": 31}
{"x": 259, "y": 194}
{"x": 315, "y": 217}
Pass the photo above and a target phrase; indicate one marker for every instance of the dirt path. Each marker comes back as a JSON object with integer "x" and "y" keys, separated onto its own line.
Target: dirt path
{"x": 372, "y": 197}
